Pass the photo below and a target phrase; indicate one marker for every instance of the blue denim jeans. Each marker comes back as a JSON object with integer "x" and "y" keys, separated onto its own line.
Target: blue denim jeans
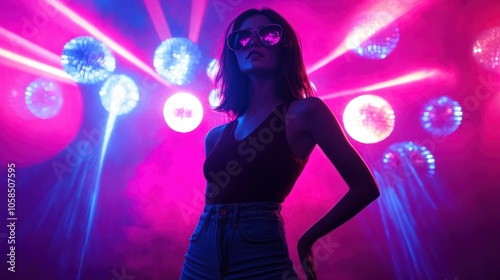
{"x": 239, "y": 241}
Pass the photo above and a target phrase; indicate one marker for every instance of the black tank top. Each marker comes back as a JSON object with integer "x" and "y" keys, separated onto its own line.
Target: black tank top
{"x": 258, "y": 168}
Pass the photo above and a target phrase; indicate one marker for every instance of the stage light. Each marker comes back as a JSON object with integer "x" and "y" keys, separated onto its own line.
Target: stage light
{"x": 176, "y": 59}
{"x": 369, "y": 119}
{"x": 375, "y": 36}
{"x": 486, "y": 49}
{"x": 183, "y": 112}
{"x": 441, "y": 116}
{"x": 43, "y": 98}
{"x": 401, "y": 156}
{"x": 212, "y": 69}
{"x": 119, "y": 94}
{"x": 214, "y": 98}
{"x": 87, "y": 60}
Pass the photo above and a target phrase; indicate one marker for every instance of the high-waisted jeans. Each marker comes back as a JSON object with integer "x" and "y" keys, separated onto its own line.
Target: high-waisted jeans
{"x": 239, "y": 241}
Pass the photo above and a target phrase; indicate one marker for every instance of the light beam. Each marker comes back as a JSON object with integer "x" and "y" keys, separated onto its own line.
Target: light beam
{"x": 405, "y": 79}
{"x": 74, "y": 17}
{"x": 28, "y": 64}
{"x": 18, "y": 41}
{"x": 160, "y": 23}
{"x": 395, "y": 9}
{"x": 197, "y": 12}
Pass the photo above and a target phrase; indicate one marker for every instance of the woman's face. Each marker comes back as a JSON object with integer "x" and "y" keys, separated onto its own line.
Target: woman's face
{"x": 257, "y": 57}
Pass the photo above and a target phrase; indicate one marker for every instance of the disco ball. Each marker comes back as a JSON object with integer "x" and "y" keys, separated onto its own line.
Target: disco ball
{"x": 43, "y": 98}
{"x": 183, "y": 112}
{"x": 119, "y": 94}
{"x": 214, "y": 98}
{"x": 176, "y": 59}
{"x": 486, "y": 49}
{"x": 87, "y": 60}
{"x": 369, "y": 119}
{"x": 441, "y": 116}
{"x": 409, "y": 157}
{"x": 375, "y": 36}
{"x": 212, "y": 69}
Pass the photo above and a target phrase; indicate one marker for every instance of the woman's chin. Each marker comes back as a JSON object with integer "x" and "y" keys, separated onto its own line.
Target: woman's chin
{"x": 258, "y": 70}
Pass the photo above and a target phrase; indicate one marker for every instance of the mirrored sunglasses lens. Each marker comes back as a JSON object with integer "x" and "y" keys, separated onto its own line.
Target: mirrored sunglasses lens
{"x": 239, "y": 39}
{"x": 270, "y": 35}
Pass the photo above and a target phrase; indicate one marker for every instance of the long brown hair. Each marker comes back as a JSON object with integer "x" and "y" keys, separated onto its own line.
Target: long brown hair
{"x": 293, "y": 82}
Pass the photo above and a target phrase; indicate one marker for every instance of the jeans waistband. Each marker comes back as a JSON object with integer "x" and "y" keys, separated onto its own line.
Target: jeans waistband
{"x": 233, "y": 211}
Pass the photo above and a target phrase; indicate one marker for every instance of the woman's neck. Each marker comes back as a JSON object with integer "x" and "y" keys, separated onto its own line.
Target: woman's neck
{"x": 263, "y": 95}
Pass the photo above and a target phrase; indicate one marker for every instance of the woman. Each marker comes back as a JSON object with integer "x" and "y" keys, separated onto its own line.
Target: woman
{"x": 253, "y": 161}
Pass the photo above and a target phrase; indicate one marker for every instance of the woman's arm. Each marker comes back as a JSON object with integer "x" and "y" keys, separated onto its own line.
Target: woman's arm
{"x": 327, "y": 133}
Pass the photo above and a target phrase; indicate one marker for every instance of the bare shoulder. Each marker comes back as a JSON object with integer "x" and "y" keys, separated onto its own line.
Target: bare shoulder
{"x": 213, "y": 137}
{"x": 315, "y": 121}
{"x": 305, "y": 120}
{"x": 310, "y": 108}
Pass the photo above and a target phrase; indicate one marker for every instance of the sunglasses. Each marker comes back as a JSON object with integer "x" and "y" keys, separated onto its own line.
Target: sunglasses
{"x": 270, "y": 35}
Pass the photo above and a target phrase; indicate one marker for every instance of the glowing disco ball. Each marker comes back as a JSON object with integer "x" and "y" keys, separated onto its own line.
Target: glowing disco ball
{"x": 405, "y": 155}
{"x": 441, "y": 116}
{"x": 375, "y": 36}
{"x": 183, "y": 112}
{"x": 212, "y": 69}
{"x": 369, "y": 119}
{"x": 176, "y": 59}
{"x": 87, "y": 60}
{"x": 486, "y": 49}
{"x": 43, "y": 98}
{"x": 119, "y": 94}
{"x": 214, "y": 98}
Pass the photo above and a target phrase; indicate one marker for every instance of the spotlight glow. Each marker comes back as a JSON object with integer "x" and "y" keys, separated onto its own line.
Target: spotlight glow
{"x": 401, "y": 80}
{"x": 369, "y": 119}
{"x": 372, "y": 37}
{"x": 158, "y": 18}
{"x": 176, "y": 59}
{"x": 27, "y": 45}
{"x": 400, "y": 156}
{"x": 119, "y": 94}
{"x": 214, "y": 98}
{"x": 112, "y": 44}
{"x": 87, "y": 60}
{"x": 198, "y": 8}
{"x": 44, "y": 98}
{"x": 486, "y": 49}
{"x": 441, "y": 116}
{"x": 397, "y": 11}
{"x": 29, "y": 65}
{"x": 212, "y": 69}
{"x": 183, "y": 112}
